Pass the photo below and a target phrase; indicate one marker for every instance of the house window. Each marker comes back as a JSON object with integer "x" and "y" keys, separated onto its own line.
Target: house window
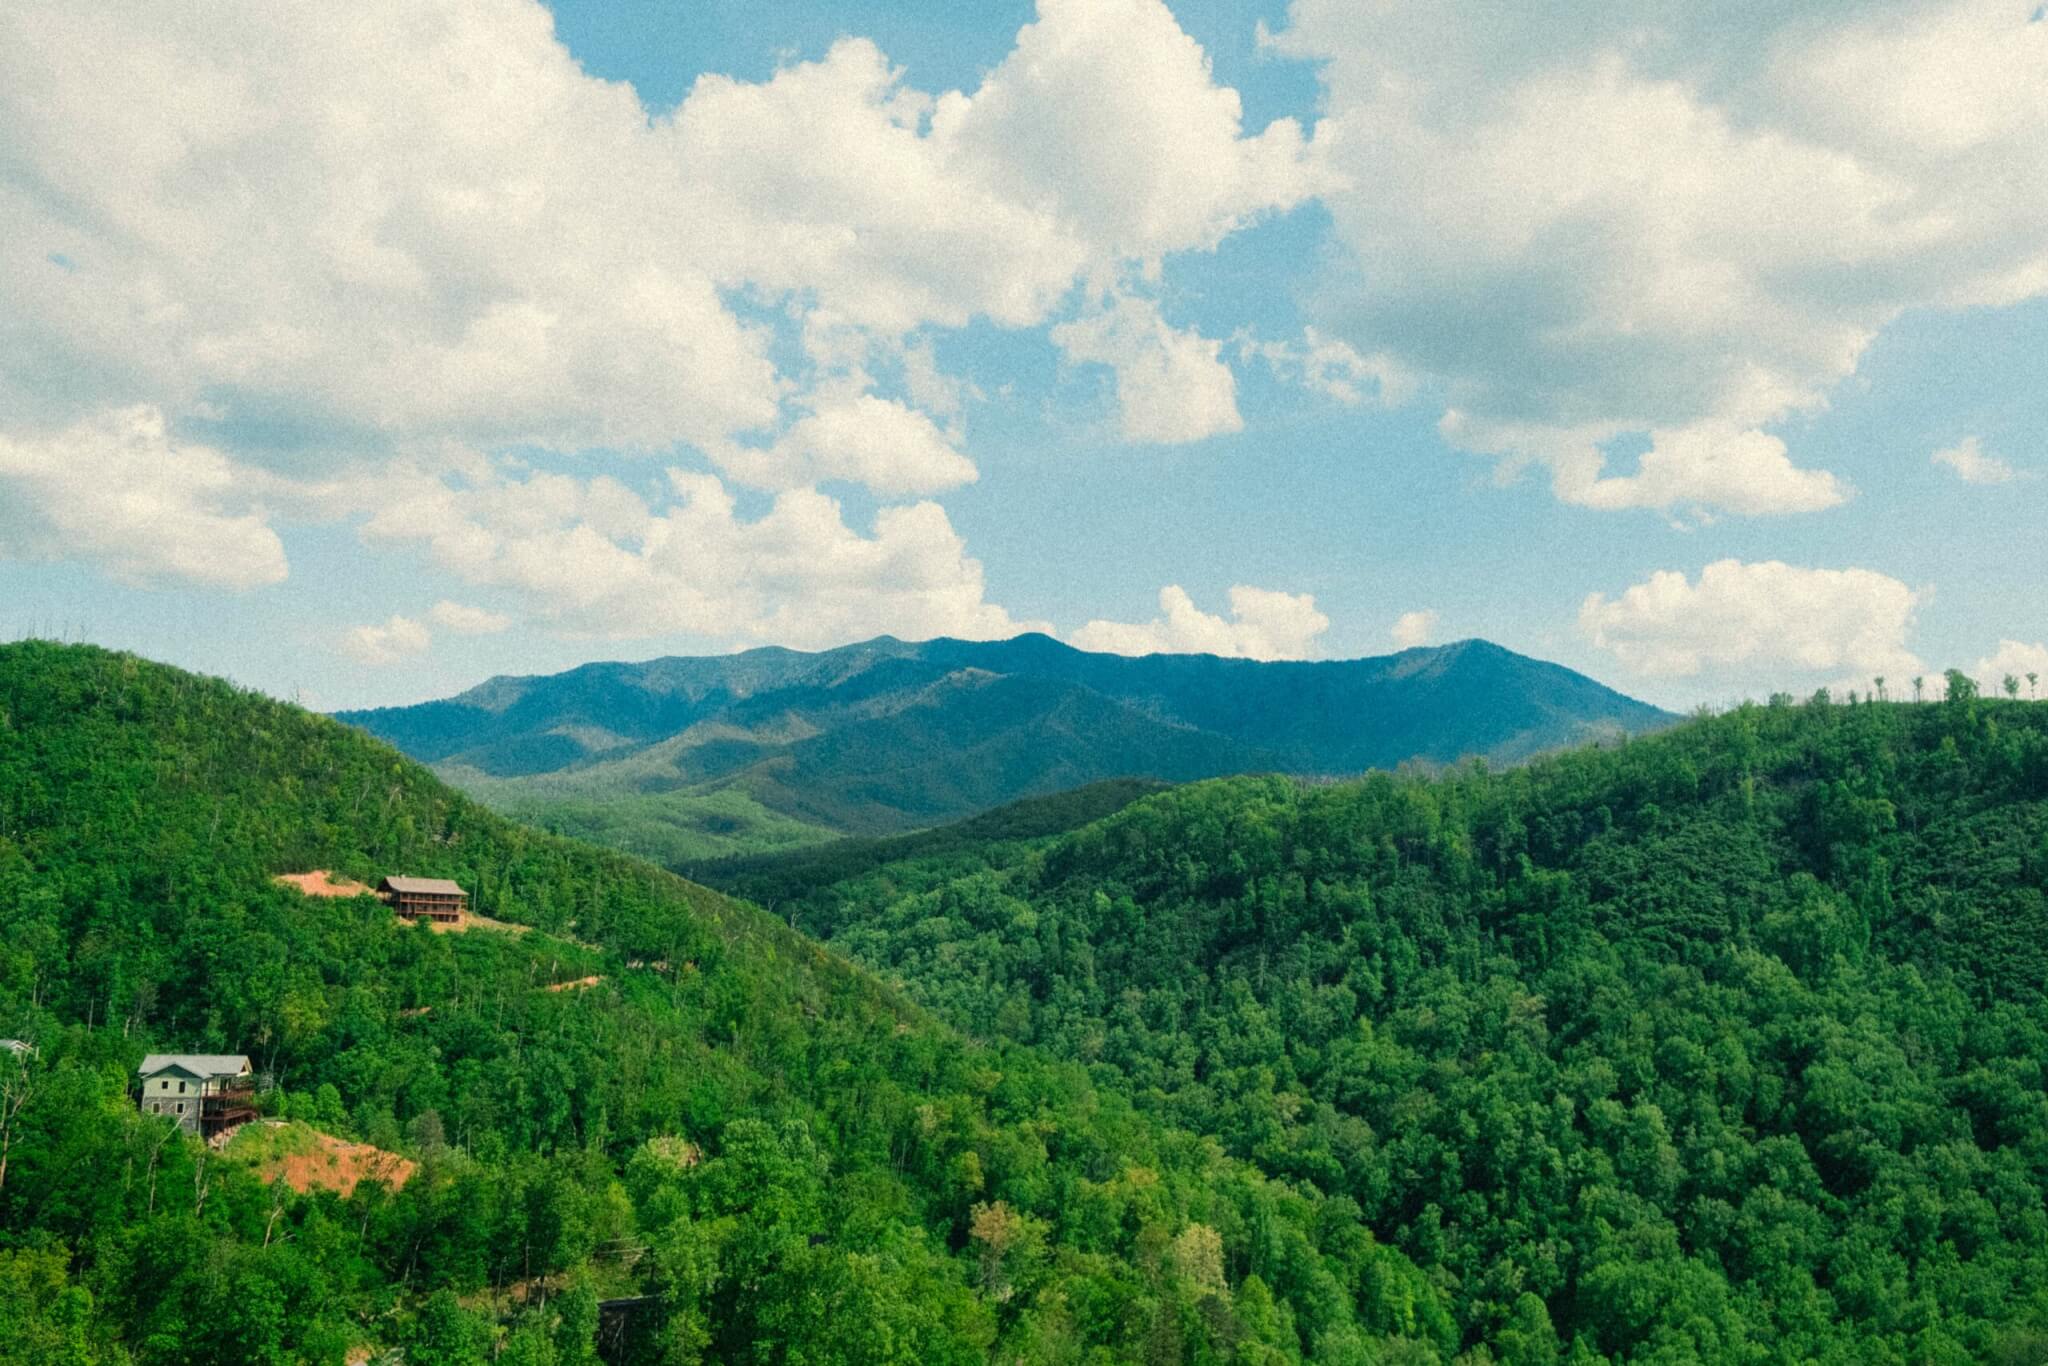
{"x": 181, "y": 1088}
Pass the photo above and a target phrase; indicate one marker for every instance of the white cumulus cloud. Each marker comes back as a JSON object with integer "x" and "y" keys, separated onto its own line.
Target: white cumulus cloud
{"x": 408, "y": 220}
{"x": 1263, "y": 624}
{"x": 886, "y": 445}
{"x": 1102, "y": 138}
{"x": 1656, "y": 222}
{"x": 1171, "y": 383}
{"x": 116, "y": 490}
{"x": 1334, "y": 368}
{"x": 466, "y": 620}
{"x": 1706, "y": 466}
{"x": 1412, "y": 629}
{"x": 411, "y": 230}
{"x": 2016, "y": 659}
{"x": 1763, "y": 619}
{"x": 595, "y": 557}
{"x": 1973, "y": 465}
{"x": 386, "y": 642}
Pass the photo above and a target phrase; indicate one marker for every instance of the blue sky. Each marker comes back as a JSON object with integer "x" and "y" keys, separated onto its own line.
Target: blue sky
{"x": 489, "y": 338}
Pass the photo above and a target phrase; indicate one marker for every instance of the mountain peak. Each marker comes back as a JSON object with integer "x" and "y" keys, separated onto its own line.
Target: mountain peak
{"x": 884, "y": 734}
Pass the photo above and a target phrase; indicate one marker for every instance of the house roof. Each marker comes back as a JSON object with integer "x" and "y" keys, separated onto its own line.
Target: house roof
{"x": 426, "y": 886}
{"x": 17, "y": 1046}
{"x": 198, "y": 1064}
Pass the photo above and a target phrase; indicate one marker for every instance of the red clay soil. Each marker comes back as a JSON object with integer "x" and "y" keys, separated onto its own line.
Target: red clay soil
{"x": 579, "y": 984}
{"x": 338, "y": 1165}
{"x": 320, "y": 882}
{"x": 472, "y": 921}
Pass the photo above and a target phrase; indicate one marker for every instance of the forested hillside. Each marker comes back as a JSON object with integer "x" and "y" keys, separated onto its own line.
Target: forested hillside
{"x": 1012, "y": 830}
{"x": 686, "y": 758}
{"x": 1723, "y": 1045}
{"x": 792, "y": 1162}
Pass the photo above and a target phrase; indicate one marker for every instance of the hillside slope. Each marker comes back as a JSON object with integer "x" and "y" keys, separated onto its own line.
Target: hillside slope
{"x": 791, "y": 1160}
{"x": 1728, "y": 1044}
{"x": 889, "y": 735}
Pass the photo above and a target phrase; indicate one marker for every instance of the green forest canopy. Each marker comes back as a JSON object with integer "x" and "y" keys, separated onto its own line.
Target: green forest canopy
{"x": 1723, "y": 1045}
{"x": 795, "y": 1163}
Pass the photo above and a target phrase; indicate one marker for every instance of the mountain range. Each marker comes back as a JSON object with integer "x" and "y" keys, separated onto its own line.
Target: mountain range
{"x": 691, "y": 757}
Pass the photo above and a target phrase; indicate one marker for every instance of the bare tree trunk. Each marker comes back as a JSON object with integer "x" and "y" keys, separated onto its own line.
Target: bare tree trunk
{"x": 13, "y": 1097}
{"x": 155, "y": 1152}
{"x": 278, "y": 1188}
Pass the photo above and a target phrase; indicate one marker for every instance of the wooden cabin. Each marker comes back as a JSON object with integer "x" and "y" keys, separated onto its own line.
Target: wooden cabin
{"x": 431, "y": 898}
{"x": 207, "y": 1093}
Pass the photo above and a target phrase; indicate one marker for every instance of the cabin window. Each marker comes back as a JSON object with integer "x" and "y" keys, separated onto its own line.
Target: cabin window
{"x": 181, "y": 1088}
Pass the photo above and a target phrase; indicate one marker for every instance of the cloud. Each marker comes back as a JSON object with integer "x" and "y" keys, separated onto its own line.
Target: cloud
{"x": 386, "y": 643}
{"x": 1171, "y": 384}
{"x": 388, "y": 220}
{"x": 1413, "y": 629}
{"x": 1108, "y": 110}
{"x": 1263, "y": 624}
{"x": 1333, "y": 368}
{"x": 465, "y": 620}
{"x": 1657, "y": 223}
{"x": 1102, "y": 138}
{"x": 426, "y": 216}
{"x": 403, "y": 232}
{"x": 595, "y": 557}
{"x": 1972, "y": 465}
{"x": 118, "y": 491}
{"x": 1763, "y": 618}
{"x": 2017, "y": 659}
{"x": 891, "y": 448}
{"x": 1704, "y": 466}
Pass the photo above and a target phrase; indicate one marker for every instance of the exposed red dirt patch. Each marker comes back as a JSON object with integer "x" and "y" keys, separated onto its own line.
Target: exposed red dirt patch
{"x": 578, "y": 985}
{"x": 320, "y": 882}
{"x": 333, "y": 1164}
{"x": 470, "y": 920}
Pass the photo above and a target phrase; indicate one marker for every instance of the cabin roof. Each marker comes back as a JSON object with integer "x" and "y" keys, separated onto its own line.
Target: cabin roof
{"x": 201, "y": 1065}
{"x": 17, "y": 1046}
{"x": 425, "y": 886}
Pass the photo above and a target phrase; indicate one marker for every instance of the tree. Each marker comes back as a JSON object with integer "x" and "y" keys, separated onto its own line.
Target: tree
{"x": 1919, "y": 686}
{"x": 443, "y": 1333}
{"x": 2032, "y": 679}
{"x": 43, "y": 1317}
{"x": 17, "y": 1087}
{"x": 1879, "y": 681}
{"x": 1009, "y": 1241}
{"x": 2011, "y": 686}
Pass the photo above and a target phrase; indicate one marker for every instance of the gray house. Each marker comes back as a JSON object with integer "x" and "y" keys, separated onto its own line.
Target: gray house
{"x": 208, "y": 1093}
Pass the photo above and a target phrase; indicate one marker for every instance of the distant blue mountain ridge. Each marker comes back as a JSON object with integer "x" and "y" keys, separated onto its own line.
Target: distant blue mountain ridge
{"x": 890, "y": 735}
